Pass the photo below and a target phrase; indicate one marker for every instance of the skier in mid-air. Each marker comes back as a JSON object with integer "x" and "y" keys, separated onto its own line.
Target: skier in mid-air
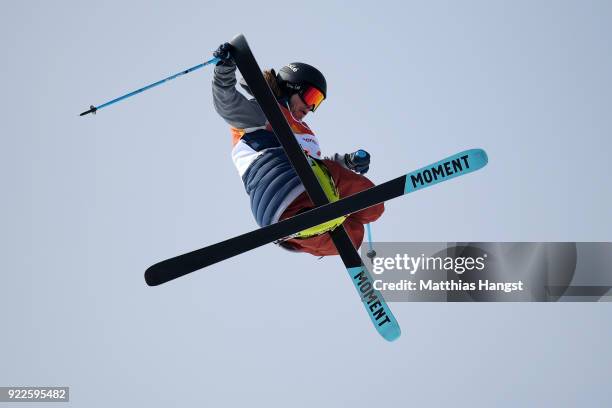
{"x": 274, "y": 188}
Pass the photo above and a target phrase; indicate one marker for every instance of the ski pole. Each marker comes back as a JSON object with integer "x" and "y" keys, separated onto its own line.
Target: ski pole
{"x": 94, "y": 109}
{"x": 371, "y": 253}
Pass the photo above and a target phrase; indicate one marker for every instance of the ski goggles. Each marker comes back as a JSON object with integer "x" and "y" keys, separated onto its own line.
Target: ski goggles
{"x": 312, "y": 97}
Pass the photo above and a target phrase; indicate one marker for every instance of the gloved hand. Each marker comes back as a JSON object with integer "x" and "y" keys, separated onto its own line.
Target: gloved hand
{"x": 224, "y": 54}
{"x": 358, "y": 161}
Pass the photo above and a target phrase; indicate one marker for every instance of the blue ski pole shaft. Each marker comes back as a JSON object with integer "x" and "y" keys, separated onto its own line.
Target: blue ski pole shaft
{"x": 371, "y": 253}
{"x": 369, "y": 229}
{"x": 94, "y": 109}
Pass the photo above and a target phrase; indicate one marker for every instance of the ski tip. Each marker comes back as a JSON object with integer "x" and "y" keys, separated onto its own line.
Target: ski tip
{"x": 391, "y": 333}
{"x": 459, "y": 164}
{"x": 239, "y": 41}
{"x": 478, "y": 156}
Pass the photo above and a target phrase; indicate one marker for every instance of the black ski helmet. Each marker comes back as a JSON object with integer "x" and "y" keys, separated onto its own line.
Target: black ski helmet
{"x": 295, "y": 76}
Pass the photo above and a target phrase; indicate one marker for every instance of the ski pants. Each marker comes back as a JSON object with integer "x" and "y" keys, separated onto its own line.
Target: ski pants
{"x": 348, "y": 183}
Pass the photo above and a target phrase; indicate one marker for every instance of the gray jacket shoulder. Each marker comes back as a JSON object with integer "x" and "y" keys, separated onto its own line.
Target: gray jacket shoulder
{"x": 230, "y": 104}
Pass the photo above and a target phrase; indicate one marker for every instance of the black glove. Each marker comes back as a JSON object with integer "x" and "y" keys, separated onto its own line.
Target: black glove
{"x": 358, "y": 161}
{"x": 224, "y": 54}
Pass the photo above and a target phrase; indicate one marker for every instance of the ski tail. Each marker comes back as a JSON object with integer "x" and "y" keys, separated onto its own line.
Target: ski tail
{"x": 374, "y": 303}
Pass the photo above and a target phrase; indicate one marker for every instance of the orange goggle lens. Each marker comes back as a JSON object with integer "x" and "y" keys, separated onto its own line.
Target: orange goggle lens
{"x": 312, "y": 97}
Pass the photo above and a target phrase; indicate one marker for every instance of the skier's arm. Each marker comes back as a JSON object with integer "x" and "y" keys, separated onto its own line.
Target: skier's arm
{"x": 230, "y": 104}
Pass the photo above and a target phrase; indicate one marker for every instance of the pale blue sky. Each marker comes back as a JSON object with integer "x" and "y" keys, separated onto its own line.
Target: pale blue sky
{"x": 89, "y": 203}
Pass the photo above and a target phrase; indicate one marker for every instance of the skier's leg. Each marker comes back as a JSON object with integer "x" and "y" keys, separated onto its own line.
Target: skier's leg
{"x": 349, "y": 183}
{"x": 300, "y": 204}
{"x": 355, "y": 230}
{"x": 322, "y": 245}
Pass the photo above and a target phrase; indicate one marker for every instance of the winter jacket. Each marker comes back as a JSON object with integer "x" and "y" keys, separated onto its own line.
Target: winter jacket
{"x": 268, "y": 177}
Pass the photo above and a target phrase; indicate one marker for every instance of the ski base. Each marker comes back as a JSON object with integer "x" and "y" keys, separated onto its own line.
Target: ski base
{"x": 376, "y": 306}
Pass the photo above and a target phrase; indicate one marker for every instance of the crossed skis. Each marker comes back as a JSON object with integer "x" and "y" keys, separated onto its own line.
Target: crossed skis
{"x": 458, "y": 165}
{"x": 375, "y": 305}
